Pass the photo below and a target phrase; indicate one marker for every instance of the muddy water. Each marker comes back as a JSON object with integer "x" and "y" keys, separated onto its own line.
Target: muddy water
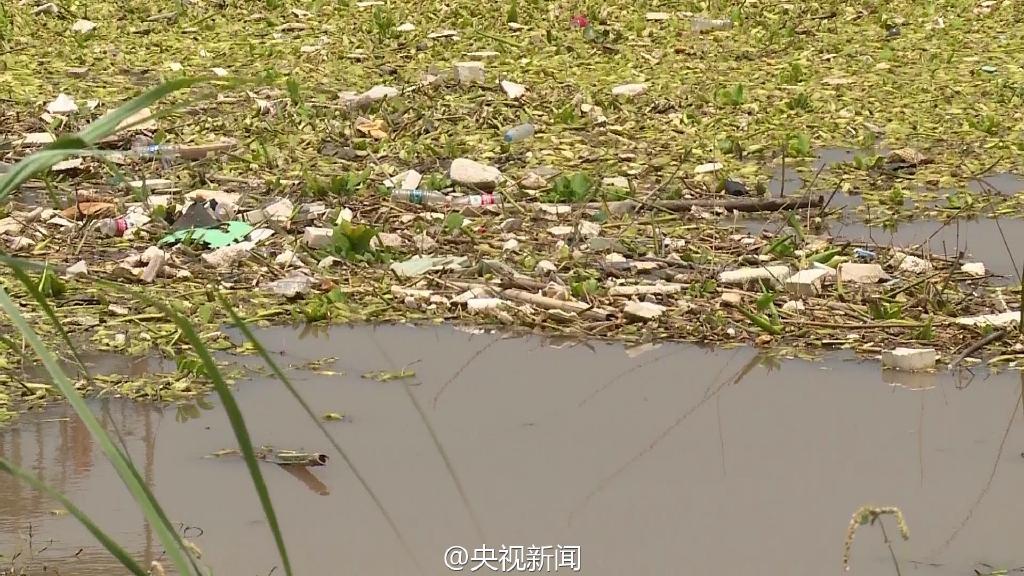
{"x": 791, "y": 181}
{"x": 678, "y": 460}
{"x": 1001, "y": 183}
{"x": 980, "y": 240}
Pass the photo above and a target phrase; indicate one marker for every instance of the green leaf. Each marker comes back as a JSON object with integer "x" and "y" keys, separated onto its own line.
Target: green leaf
{"x": 766, "y": 301}
{"x": 880, "y": 310}
{"x": 926, "y": 332}
{"x": 335, "y": 295}
{"x": 799, "y": 145}
{"x": 453, "y": 222}
{"x": 825, "y": 256}
{"x": 794, "y": 223}
{"x": 782, "y": 247}
{"x": 16, "y": 267}
{"x": 585, "y": 288}
{"x": 566, "y": 115}
{"x": 513, "y": 12}
{"x": 190, "y": 365}
{"x": 205, "y": 313}
{"x": 293, "y": 91}
{"x": 353, "y": 240}
{"x": 581, "y": 185}
{"x": 761, "y": 321}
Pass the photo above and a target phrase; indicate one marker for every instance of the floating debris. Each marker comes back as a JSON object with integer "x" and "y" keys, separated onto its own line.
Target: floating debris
{"x": 861, "y": 273}
{"x": 910, "y": 359}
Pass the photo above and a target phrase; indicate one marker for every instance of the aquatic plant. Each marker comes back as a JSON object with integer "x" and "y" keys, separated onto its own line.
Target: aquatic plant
{"x": 869, "y": 515}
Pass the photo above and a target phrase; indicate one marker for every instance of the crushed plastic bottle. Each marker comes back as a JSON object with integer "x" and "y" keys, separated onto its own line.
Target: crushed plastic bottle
{"x": 521, "y": 132}
{"x": 224, "y": 211}
{"x": 711, "y": 25}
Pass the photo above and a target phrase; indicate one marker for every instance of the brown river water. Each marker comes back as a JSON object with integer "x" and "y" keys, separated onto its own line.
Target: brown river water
{"x": 673, "y": 460}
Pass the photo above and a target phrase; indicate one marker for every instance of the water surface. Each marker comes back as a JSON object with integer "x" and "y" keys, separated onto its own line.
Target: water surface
{"x": 676, "y": 460}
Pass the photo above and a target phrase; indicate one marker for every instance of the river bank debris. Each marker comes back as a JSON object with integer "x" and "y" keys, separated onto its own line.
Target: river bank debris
{"x": 352, "y": 186}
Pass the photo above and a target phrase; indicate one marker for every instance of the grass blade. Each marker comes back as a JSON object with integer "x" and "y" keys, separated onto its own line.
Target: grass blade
{"x": 165, "y": 532}
{"x": 105, "y": 126}
{"x": 761, "y": 321}
{"x": 234, "y": 416}
{"x": 251, "y": 338}
{"x": 113, "y": 547}
{"x": 41, "y": 160}
{"x": 18, "y": 267}
{"x": 33, "y": 289}
{"x": 109, "y": 122}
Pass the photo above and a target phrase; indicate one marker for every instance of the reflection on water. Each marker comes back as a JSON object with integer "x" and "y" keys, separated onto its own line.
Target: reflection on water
{"x": 99, "y": 363}
{"x": 677, "y": 460}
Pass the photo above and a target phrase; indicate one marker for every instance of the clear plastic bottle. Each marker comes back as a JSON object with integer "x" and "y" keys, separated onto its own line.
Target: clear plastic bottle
{"x": 711, "y": 25}
{"x": 477, "y": 200}
{"x": 521, "y": 132}
{"x": 225, "y": 211}
{"x": 161, "y": 151}
{"x": 423, "y": 197}
{"x": 126, "y": 225}
{"x": 429, "y": 198}
{"x": 113, "y": 226}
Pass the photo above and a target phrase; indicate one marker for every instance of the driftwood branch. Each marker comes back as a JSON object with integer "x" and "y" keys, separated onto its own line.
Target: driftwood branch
{"x": 978, "y": 345}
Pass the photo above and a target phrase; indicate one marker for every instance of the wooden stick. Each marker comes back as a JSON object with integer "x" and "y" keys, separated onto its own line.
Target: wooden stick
{"x": 978, "y": 345}
{"x": 584, "y": 310}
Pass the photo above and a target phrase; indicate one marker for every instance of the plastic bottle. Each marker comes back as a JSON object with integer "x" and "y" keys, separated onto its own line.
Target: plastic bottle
{"x": 864, "y": 254}
{"x": 113, "y": 226}
{"x": 155, "y": 151}
{"x": 711, "y": 25}
{"x": 424, "y": 197}
{"x": 224, "y": 211}
{"x": 477, "y": 200}
{"x": 428, "y": 198}
{"x": 123, "y": 225}
{"x": 521, "y": 132}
